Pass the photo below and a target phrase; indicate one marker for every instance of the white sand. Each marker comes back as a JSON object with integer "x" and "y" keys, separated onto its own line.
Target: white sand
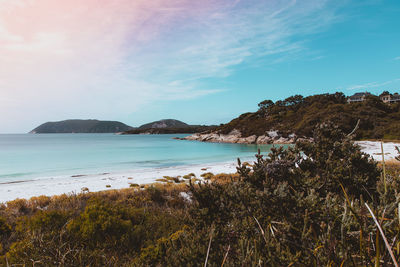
{"x": 373, "y": 148}
{"x": 98, "y": 182}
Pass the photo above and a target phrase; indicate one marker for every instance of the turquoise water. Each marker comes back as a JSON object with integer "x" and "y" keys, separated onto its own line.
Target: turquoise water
{"x": 30, "y": 156}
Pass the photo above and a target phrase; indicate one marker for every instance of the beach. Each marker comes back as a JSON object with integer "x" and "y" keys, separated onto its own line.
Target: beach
{"x": 373, "y": 148}
{"x": 98, "y": 182}
{"x": 117, "y": 180}
{"x": 52, "y": 164}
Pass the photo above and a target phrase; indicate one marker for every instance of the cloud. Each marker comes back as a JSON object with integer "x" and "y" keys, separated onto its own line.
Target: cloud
{"x": 86, "y": 58}
{"x": 371, "y": 85}
{"x": 397, "y": 58}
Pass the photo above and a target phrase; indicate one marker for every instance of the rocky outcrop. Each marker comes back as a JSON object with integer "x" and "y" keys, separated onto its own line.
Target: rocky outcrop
{"x": 270, "y": 137}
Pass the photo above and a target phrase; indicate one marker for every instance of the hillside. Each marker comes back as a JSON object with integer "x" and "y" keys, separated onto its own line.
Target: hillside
{"x": 186, "y": 130}
{"x": 169, "y": 126}
{"x": 81, "y": 126}
{"x": 168, "y": 123}
{"x": 282, "y": 121}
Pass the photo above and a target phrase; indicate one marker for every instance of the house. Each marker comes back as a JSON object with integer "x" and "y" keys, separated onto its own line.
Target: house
{"x": 385, "y": 97}
{"x": 395, "y": 98}
{"x": 389, "y": 98}
{"x": 358, "y": 97}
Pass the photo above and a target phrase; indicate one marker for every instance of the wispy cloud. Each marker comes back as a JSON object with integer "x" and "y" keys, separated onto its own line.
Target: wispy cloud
{"x": 397, "y": 58}
{"x": 372, "y": 85}
{"x": 85, "y": 58}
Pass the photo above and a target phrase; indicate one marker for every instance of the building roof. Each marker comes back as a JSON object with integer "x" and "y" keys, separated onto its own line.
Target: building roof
{"x": 358, "y": 95}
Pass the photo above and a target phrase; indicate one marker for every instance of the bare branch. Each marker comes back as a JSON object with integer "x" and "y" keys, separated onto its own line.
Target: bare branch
{"x": 389, "y": 248}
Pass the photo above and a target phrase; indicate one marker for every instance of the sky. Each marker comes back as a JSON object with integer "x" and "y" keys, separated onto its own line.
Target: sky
{"x": 202, "y": 62}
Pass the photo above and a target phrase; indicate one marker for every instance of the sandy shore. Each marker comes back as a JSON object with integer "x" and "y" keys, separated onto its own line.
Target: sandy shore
{"x": 374, "y": 149}
{"x": 99, "y": 182}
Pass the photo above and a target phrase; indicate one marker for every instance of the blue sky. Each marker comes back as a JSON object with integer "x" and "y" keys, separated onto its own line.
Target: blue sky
{"x": 356, "y": 51}
{"x": 202, "y": 63}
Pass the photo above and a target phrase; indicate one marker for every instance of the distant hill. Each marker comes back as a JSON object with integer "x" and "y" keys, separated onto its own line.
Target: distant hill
{"x": 187, "y": 130}
{"x": 81, "y": 126}
{"x": 169, "y": 126}
{"x": 168, "y": 123}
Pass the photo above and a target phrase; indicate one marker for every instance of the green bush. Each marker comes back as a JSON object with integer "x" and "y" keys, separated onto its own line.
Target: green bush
{"x": 287, "y": 209}
{"x": 49, "y": 221}
{"x": 103, "y": 225}
{"x": 5, "y": 229}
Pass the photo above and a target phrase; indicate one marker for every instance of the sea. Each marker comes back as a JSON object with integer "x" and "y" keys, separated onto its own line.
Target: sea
{"x": 62, "y": 156}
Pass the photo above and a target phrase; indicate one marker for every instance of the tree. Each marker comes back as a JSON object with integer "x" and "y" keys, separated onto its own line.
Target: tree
{"x": 264, "y": 105}
{"x": 293, "y": 100}
{"x": 384, "y": 93}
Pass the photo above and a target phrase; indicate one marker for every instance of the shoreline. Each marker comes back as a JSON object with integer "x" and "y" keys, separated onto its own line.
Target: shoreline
{"x": 104, "y": 181}
{"x": 270, "y": 137}
{"x": 373, "y": 148}
{"x": 118, "y": 180}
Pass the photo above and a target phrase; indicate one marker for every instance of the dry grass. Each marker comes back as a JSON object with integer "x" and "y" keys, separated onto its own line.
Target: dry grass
{"x": 392, "y": 162}
{"x": 224, "y": 178}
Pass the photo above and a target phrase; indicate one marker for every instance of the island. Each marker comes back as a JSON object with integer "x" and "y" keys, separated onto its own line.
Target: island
{"x": 169, "y": 126}
{"x": 81, "y": 126}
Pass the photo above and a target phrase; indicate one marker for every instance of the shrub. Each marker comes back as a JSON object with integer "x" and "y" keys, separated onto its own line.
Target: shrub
{"x": 5, "y": 229}
{"x": 287, "y": 209}
{"x": 48, "y": 221}
{"x": 103, "y": 225}
{"x": 207, "y": 175}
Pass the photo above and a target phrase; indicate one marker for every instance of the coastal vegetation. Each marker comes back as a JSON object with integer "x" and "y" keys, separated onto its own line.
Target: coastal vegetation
{"x": 300, "y": 115}
{"x": 312, "y": 204}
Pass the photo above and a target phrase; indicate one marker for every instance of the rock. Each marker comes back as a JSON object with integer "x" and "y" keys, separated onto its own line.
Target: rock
{"x": 235, "y": 132}
{"x": 273, "y": 134}
{"x": 264, "y": 139}
{"x": 178, "y": 138}
{"x": 247, "y": 140}
{"x": 282, "y": 140}
{"x": 212, "y": 138}
{"x": 271, "y": 137}
{"x": 186, "y": 196}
